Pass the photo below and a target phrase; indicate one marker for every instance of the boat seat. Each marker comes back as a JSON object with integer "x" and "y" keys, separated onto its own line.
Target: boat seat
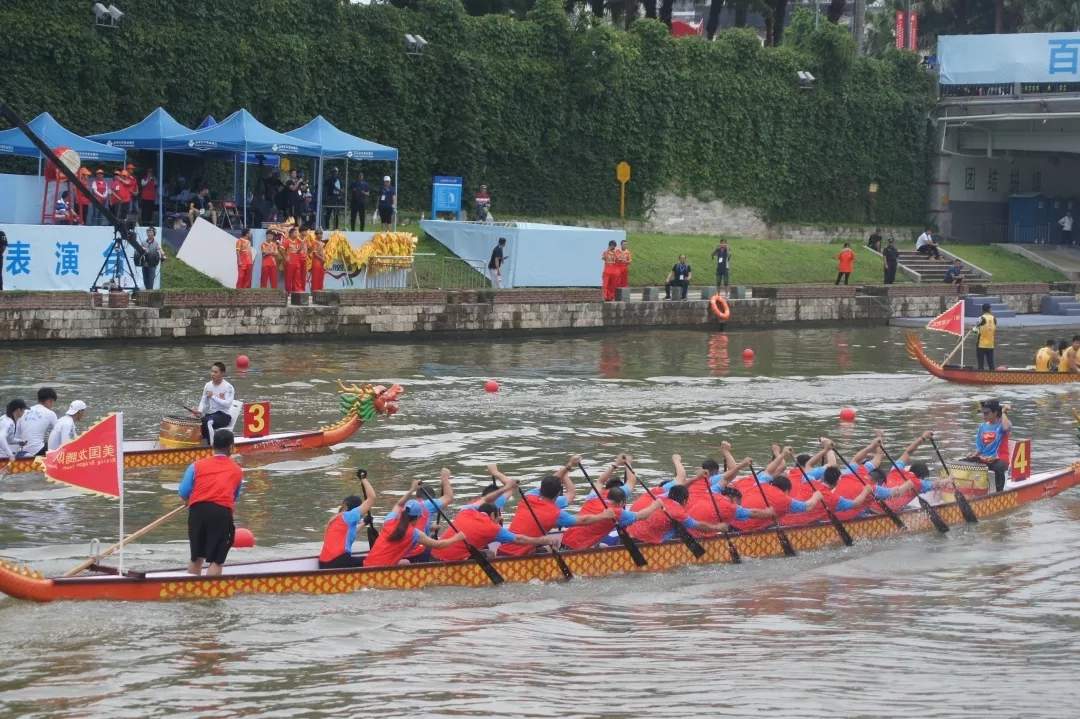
{"x": 234, "y": 413}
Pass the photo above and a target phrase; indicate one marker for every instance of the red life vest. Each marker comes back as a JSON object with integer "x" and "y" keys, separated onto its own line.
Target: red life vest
{"x": 646, "y": 499}
{"x": 479, "y": 529}
{"x": 582, "y": 537}
{"x": 698, "y": 488}
{"x": 653, "y": 529}
{"x": 548, "y": 514}
{"x": 752, "y": 499}
{"x": 387, "y": 552}
{"x": 216, "y": 480}
{"x": 421, "y": 524}
{"x": 895, "y": 479}
{"x": 333, "y": 546}
{"x": 702, "y": 509}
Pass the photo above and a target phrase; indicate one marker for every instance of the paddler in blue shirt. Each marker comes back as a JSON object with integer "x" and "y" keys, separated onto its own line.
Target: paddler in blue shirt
{"x": 341, "y": 529}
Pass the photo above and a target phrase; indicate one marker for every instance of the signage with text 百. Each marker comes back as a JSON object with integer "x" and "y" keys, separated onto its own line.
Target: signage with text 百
{"x": 1023, "y": 57}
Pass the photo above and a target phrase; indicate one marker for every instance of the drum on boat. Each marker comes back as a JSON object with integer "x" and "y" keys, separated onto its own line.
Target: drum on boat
{"x": 178, "y": 431}
{"x": 972, "y": 478}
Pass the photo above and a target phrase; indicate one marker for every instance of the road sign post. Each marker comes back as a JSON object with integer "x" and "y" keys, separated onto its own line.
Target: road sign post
{"x": 622, "y": 174}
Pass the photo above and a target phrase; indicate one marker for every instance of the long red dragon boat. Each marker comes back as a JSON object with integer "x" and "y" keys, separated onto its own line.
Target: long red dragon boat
{"x": 302, "y": 575}
{"x": 970, "y": 375}
{"x": 359, "y": 404}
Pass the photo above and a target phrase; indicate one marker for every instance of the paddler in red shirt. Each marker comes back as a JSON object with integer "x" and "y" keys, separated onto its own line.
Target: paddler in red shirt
{"x": 659, "y": 528}
{"x": 615, "y": 495}
{"x": 341, "y": 530}
{"x": 906, "y": 479}
{"x": 715, "y": 501}
{"x": 399, "y": 534}
{"x": 428, "y": 509}
{"x": 211, "y": 487}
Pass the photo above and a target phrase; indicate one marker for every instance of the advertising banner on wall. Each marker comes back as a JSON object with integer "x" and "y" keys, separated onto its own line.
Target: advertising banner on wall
{"x": 998, "y": 59}
{"x": 50, "y": 257}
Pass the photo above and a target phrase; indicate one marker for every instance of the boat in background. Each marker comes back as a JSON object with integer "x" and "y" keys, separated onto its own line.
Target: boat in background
{"x": 970, "y": 375}
{"x": 303, "y": 576}
{"x": 359, "y": 404}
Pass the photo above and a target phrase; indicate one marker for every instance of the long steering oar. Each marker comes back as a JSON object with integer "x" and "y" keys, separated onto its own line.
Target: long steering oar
{"x": 735, "y": 558}
{"x": 369, "y": 521}
{"x": 785, "y": 543}
{"x": 631, "y": 546}
{"x": 845, "y": 537}
{"x": 935, "y": 518}
{"x": 476, "y": 554}
{"x": 125, "y": 541}
{"x": 680, "y": 529}
{"x": 965, "y": 509}
{"x": 555, "y": 553}
{"x": 881, "y": 502}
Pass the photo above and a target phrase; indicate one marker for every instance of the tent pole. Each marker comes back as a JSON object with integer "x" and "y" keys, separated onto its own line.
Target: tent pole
{"x": 397, "y": 192}
{"x": 161, "y": 192}
{"x": 318, "y": 195}
{"x": 244, "y": 219}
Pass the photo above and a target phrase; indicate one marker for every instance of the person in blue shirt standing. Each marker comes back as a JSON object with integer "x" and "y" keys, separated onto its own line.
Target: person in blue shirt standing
{"x": 992, "y": 440}
{"x": 387, "y": 203}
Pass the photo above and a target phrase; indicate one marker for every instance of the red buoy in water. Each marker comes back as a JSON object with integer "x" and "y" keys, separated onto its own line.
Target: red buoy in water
{"x": 242, "y": 361}
{"x": 243, "y": 538}
{"x": 748, "y": 354}
{"x": 847, "y": 414}
{"x": 491, "y": 386}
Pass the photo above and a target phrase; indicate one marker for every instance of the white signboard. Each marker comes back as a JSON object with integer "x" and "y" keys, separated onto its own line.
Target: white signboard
{"x": 50, "y": 257}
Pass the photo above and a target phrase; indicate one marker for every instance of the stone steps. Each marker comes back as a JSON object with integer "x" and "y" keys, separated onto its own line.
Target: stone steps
{"x": 973, "y": 306}
{"x": 1065, "y": 305}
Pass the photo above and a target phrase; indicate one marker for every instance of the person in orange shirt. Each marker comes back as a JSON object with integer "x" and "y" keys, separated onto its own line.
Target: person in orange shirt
{"x": 317, "y": 256}
{"x": 245, "y": 259}
{"x": 119, "y": 195}
{"x": 131, "y": 187}
{"x": 846, "y": 260}
{"x": 82, "y": 201}
{"x": 295, "y": 262}
{"x": 270, "y": 251}
{"x": 624, "y": 259}
{"x": 610, "y": 278}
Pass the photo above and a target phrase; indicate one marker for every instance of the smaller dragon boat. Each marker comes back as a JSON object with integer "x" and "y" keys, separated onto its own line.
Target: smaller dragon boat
{"x": 970, "y": 375}
{"x": 359, "y": 404}
{"x": 303, "y": 576}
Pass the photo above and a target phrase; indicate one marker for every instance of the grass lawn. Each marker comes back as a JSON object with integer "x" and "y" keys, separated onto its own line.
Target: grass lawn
{"x": 178, "y": 275}
{"x": 1004, "y": 265}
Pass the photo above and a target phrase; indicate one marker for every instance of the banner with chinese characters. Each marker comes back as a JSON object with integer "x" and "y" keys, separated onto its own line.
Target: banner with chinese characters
{"x": 93, "y": 461}
{"x": 50, "y": 257}
{"x": 1051, "y": 57}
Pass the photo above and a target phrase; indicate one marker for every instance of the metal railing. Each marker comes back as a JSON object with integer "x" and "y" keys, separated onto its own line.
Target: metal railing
{"x": 436, "y": 272}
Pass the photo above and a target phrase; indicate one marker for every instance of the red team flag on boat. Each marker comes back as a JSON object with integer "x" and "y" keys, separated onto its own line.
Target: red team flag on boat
{"x": 93, "y": 461}
{"x": 951, "y": 320}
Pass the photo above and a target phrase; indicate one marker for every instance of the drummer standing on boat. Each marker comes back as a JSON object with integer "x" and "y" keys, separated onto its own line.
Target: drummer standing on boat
{"x": 216, "y": 401}
{"x": 211, "y": 487}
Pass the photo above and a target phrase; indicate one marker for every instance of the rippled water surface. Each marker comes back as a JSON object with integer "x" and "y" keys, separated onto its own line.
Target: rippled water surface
{"x": 982, "y": 622}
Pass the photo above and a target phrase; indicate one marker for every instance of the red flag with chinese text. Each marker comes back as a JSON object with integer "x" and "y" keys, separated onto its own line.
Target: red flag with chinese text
{"x": 951, "y": 320}
{"x": 93, "y": 461}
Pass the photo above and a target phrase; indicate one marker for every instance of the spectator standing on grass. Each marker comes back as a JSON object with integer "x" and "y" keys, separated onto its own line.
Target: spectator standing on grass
{"x": 496, "y": 262}
{"x": 358, "y": 195}
{"x": 874, "y": 241}
{"x": 1066, "y": 224}
{"x": 152, "y": 257}
{"x": 723, "y": 262}
{"x": 678, "y": 277}
{"x": 147, "y": 196}
{"x": 926, "y": 245}
{"x": 845, "y": 263}
{"x": 891, "y": 257}
{"x": 388, "y": 204}
{"x": 483, "y": 205}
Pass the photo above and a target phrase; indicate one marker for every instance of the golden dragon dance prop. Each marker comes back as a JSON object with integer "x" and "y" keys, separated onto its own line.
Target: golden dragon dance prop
{"x": 385, "y": 251}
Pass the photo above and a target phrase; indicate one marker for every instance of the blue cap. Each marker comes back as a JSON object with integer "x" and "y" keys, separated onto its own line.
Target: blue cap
{"x": 413, "y": 508}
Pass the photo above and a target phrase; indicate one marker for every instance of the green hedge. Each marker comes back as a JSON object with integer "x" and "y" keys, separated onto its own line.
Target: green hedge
{"x": 541, "y": 110}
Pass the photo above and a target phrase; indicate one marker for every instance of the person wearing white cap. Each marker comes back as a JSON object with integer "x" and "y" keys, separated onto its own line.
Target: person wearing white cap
{"x": 65, "y": 429}
{"x": 387, "y": 203}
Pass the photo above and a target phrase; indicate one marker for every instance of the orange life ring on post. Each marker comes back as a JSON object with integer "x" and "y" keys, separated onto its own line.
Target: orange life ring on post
{"x": 720, "y": 307}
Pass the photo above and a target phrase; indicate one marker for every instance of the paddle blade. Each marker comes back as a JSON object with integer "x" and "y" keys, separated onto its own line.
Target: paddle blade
{"x": 632, "y": 547}
{"x": 841, "y": 530}
{"x": 563, "y": 566}
{"x": 785, "y": 543}
{"x": 485, "y": 564}
{"x": 965, "y": 508}
{"x": 891, "y": 514}
{"x": 935, "y": 518}
{"x": 736, "y": 558}
{"x": 688, "y": 539}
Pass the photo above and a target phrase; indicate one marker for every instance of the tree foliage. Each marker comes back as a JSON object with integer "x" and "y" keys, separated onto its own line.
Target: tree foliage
{"x": 540, "y": 109}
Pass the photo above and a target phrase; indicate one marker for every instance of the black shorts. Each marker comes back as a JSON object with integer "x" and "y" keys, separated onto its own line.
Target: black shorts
{"x": 386, "y": 215}
{"x": 342, "y": 561}
{"x": 210, "y": 532}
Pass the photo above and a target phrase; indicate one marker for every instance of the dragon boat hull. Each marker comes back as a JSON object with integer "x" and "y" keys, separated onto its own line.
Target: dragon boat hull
{"x": 970, "y": 375}
{"x": 293, "y": 576}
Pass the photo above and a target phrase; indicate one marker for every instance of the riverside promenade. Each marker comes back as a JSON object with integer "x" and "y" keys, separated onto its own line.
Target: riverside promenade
{"x": 48, "y": 316}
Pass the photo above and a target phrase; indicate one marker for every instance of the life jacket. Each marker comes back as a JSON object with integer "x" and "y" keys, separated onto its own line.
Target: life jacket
{"x": 581, "y": 537}
{"x": 335, "y": 539}
{"x": 524, "y": 524}
{"x": 698, "y": 488}
{"x": 216, "y": 480}
{"x": 894, "y": 479}
{"x": 753, "y": 499}
{"x": 387, "y": 552}
{"x": 647, "y": 498}
{"x": 479, "y": 529}
{"x": 423, "y": 522}
{"x": 986, "y": 332}
{"x": 654, "y": 529}
{"x": 702, "y": 509}
{"x": 1042, "y": 359}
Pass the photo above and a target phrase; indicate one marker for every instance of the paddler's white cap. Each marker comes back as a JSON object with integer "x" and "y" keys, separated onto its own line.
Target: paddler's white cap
{"x": 75, "y": 407}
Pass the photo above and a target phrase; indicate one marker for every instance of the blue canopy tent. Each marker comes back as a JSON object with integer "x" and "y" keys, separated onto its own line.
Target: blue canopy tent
{"x": 148, "y": 134}
{"x": 337, "y": 144}
{"x": 208, "y": 121}
{"x": 241, "y": 133}
{"x": 45, "y": 126}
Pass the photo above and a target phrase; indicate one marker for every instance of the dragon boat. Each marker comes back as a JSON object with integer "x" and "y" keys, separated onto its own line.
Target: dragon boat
{"x": 302, "y": 575}
{"x": 359, "y": 404}
{"x": 970, "y": 375}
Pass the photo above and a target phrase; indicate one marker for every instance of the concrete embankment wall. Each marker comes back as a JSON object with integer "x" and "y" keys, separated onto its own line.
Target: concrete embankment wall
{"x": 388, "y": 313}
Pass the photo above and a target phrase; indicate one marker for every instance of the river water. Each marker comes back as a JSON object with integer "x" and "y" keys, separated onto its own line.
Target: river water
{"x": 982, "y": 622}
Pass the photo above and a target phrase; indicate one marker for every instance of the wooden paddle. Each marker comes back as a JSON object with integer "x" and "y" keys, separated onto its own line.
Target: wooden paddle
{"x": 680, "y": 529}
{"x": 125, "y": 541}
{"x": 785, "y": 543}
{"x": 631, "y": 546}
{"x": 563, "y": 567}
{"x": 845, "y": 537}
{"x": 881, "y": 502}
{"x": 935, "y": 518}
{"x": 476, "y": 555}
{"x": 965, "y": 509}
{"x": 369, "y": 522}
{"x": 735, "y": 558}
